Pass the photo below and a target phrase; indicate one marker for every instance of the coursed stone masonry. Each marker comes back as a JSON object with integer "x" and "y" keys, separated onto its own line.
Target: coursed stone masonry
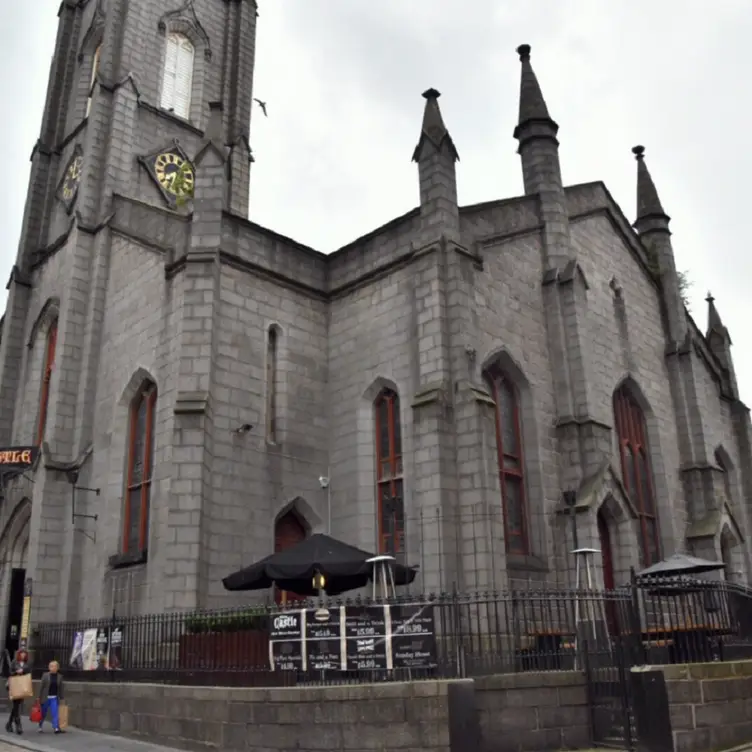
{"x": 555, "y": 287}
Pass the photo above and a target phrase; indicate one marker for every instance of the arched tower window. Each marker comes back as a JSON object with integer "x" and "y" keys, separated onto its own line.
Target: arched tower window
{"x": 389, "y": 486}
{"x": 511, "y": 466}
{"x": 637, "y": 471}
{"x": 271, "y": 385}
{"x": 49, "y": 363}
{"x": 140, "y": 468}
{"x": 93, "y": 77}
{"x": 177, "y": 77}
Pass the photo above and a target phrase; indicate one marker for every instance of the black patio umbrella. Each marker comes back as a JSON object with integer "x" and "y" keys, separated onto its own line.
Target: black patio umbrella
{"x": 343, "y": 566}
{"x": 680, "y": 564}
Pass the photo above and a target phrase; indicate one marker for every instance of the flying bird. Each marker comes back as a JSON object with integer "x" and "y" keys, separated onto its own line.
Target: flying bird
{"x": 262, "y": 105}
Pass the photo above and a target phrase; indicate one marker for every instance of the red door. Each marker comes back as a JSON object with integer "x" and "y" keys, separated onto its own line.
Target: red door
{"x": 288, "y": 531}
{"x": 607, "y": 558}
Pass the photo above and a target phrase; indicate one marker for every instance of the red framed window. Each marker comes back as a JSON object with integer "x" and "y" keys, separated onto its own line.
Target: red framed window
{"x": 140, "y": 467}
{"x": 389, "y": 486}
{"x": 511, "y": 463}
{"x": 49, "y": 364}
{"x": 637, "y": 472}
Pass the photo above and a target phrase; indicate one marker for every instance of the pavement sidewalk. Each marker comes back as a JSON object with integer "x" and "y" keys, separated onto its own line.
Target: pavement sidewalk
{"x": 74, "y": 740}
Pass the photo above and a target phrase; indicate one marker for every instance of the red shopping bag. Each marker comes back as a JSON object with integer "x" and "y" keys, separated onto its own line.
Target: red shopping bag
{"x": 36, "y": 713}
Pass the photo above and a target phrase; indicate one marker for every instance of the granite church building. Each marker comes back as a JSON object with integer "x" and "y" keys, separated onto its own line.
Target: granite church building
{"x": 469, "y": 379}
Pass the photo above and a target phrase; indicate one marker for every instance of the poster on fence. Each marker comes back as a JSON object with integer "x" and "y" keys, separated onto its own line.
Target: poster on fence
{"x": 115, "y": 655}
{"x": 353, "y": 638}
{"x": 84, "y": 655}
{"x": 76, "y": 659}
{"x": 103, "y": 648}
{"x": 97, "y": 649}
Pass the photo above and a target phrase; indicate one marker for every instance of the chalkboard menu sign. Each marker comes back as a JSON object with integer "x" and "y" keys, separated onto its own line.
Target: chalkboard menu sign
{"x": 366, "y": 638}
{"x": 323, "y": 639}
{"x": 413, "y": 639}
{"x": 285, "y": 644}
{"x": 353, "y": 638}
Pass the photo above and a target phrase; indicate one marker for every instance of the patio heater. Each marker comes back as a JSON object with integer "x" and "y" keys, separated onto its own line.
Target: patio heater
{"x": 589, "y": 615}
{"x": 383, "y": 576}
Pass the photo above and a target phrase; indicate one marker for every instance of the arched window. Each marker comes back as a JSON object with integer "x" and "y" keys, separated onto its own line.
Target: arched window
{"x": 510, "y": 462}
{"x": 389, "y": 488}
{"x": 177, "y": 77}
{"x": 271, "y": 385}
{"x": 140, "y": 467}
{"x": 637, "y": 471}
{"x": 93, "y": 77}
{"x": 49, "y": 364}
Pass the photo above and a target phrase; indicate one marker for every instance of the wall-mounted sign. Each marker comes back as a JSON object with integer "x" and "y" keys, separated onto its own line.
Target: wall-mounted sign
{"x": 354, "y": 638}
{"x": 18, "y": 458}
{"x": 26, "y": 615}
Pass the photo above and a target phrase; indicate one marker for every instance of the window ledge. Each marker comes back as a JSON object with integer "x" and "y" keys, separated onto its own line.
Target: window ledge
{"x": 130, "y": 559}
{"x": 527, "y": 562}
{"x": 170, "y": 116}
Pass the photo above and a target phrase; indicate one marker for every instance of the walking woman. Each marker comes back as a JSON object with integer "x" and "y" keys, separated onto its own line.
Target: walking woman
{"x": 18, "y": 667}
{"x": 51, "y": 694}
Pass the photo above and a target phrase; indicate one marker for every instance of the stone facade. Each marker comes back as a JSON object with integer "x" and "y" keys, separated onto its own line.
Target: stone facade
{"x": 553, "y": 294}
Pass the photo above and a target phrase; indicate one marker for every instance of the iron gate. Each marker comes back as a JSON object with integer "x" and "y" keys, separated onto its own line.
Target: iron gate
{"x": 607, "y": 673}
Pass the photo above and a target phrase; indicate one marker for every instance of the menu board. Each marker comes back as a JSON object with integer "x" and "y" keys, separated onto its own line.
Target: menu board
{"x": 353, "y": 638}
{"x": 323, "y": 639}
{"x": 366, "y": 638}
{"x": 413, "y": 639}
{"x": 285, "y": 644}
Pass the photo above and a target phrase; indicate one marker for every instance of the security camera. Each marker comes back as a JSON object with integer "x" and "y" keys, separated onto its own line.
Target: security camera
{"x": 323, "y": 481}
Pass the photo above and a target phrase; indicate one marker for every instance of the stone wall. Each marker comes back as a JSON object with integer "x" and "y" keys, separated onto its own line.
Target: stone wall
{"x": 396, "y": 716}
{"x": 510, "y": 713}
{"x": 710, "y": 705}
{"x": 543, "y": 711}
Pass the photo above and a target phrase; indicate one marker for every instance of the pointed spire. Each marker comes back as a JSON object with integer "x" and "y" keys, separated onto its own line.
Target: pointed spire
{"x": 648, "y": 203}
{"x": 433, "y": 129}
{"x": 715, "y": 324}
{"x": 532, "y": 104}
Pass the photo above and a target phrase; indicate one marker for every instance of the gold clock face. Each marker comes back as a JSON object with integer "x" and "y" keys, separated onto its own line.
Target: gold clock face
{"x": 72, "y": 178}
{"x": 174, "y": 174}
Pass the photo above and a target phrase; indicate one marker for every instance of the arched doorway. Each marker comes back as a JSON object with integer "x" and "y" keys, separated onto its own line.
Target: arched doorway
{"x": 14, "y": 548}
{"x": 607, "y": 552}
{"x": 288, "y": 531}
{"x": 607, "y": 562}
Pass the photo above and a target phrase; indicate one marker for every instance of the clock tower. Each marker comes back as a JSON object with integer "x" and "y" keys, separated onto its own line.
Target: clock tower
{"x": 115, "y": 200}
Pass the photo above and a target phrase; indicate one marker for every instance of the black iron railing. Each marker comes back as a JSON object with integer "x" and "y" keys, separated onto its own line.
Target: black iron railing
{"x": 447, "y": 635}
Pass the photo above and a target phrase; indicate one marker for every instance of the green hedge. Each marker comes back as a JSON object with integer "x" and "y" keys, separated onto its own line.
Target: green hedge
{"x": 241, "y": 621}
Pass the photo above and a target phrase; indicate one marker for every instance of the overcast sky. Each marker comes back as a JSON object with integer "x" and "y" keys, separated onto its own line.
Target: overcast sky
{"x": 343, "y": 80}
